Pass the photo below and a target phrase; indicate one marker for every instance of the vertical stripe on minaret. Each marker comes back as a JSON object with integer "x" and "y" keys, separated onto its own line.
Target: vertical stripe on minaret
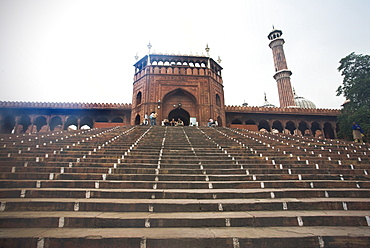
{"x": 282, "y": 75}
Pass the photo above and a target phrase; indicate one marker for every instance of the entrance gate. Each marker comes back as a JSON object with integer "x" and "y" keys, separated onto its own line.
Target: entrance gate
{"x": 180, "y": 113}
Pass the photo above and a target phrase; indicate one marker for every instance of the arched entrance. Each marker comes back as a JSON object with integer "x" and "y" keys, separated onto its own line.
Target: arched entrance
{"x": 181, "y": 104}
{"x": 137, "y": 120}
{"x": 180, "y": 113}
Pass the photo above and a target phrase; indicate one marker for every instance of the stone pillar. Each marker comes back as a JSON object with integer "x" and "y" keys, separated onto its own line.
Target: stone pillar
{"x": 334, "y": 130}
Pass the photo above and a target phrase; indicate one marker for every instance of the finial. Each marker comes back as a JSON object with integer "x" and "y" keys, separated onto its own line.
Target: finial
{"x": 149, "y": 46}
{"x": 273, "y": 28}
{"x": 207, "y": 49}
{"x": 294, "y": 91}
{"x": 265, "y": 96}
{"x": 219, "y": 60}
{"x": 136, "y": 57}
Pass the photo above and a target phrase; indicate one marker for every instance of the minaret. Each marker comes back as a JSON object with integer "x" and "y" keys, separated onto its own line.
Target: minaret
{"x": 282, "y": 75}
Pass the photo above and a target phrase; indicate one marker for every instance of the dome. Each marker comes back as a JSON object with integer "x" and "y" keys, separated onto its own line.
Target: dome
{"x": 301, "y": 102}
{"x": 267, "y": 104}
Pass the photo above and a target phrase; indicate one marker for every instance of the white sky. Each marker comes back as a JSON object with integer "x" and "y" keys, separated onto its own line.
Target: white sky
{"x": 83, "y": 51}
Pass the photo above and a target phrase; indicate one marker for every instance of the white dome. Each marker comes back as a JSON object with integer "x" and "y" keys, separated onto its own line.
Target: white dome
{"x": 301, "y": 102}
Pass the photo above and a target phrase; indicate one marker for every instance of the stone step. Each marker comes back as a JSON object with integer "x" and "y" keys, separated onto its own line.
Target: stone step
{"x": 163, "y": 177}
{"x": 183, "y": 194}
{"x": 255, "y": 237}
{"x": 182, "y": 205}
{"x": 183, "y": 184}
{"x": 159, "y": 220}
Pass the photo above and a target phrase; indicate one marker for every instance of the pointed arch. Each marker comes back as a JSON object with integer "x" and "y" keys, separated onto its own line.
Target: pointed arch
{"x": 250, "y": 122}
{"x": 56, "y": 123}
{"x": 87, "y": 121}
{"x": 290, "y": 126}
{"x": 236, "y": 121}
{"x": 25, "y": 121}
{"x": 8, "y": 124}
{"x": 179, "y": 99}
{"x": 329, "y": 130}
{"x": 316, "y": 129}
{"x": 181, "y": 114}
{"x": 117, "y": 119}
{"x": 138, "y": 98}
{"x": 137, "y": 120}
{"x": 264, "y": 124}
{"x": 218, "y": 100}
{"x": 302, "y": 127}
{"x": 219, "y": 121}
{"x": 278, "y": 126}
{"x": 72, "y": 120}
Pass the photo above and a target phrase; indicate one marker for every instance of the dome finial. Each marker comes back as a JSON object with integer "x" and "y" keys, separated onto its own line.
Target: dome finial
{"x": 207, "y": 49}
{"x": 266, "y": 103}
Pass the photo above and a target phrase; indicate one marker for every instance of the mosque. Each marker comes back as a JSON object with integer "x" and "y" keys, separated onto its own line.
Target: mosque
{"x": 181, "y": 86}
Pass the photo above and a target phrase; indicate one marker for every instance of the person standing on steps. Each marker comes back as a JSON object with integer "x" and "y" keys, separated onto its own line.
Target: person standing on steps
{"x": 357, "y": 132}
{"x": 153, "y": 118}
{"x": 146, "y": 117}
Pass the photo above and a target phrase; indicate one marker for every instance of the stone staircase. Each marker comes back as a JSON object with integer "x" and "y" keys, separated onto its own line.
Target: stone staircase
{"x": 150, "y": 186}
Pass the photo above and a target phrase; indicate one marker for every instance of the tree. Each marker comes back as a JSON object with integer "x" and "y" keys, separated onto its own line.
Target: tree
{"x": 355, "y": 69}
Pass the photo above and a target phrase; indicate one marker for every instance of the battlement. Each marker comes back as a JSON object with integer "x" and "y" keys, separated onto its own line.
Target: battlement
{"x": 178, "y": 65}
{"x": 64, "y": 105}
{"x": 279, "y": 110}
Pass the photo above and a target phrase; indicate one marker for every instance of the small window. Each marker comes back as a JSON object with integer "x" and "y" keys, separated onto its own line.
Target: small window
{"x": 138, "y": 98}
{"x": 218, "y": 100}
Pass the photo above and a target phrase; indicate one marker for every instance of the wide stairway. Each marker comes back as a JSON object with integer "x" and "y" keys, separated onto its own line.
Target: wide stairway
{"x": 180, "y": 187}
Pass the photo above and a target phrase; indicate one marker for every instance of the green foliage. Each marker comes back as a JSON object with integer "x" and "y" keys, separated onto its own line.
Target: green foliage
{"x": 355, "y": 69}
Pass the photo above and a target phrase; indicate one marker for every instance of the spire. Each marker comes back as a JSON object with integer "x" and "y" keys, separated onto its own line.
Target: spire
{"x": 207, "y": 50}
{"x": 219, "y": 60}
{"x": 149, "y": 47}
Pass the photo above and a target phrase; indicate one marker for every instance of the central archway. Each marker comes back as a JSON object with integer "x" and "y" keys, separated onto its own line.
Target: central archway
{"x": 180, "y": 113}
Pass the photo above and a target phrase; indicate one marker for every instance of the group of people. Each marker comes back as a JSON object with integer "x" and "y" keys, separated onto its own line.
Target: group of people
{"x": 152, "y": 120}
{"x": 173, "y": 122}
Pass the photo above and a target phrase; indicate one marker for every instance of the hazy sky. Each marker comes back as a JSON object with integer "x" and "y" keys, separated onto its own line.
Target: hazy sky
{"x": 83, "y": 51}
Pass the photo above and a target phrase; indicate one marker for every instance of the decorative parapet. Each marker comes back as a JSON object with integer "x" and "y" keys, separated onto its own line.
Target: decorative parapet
{"x": 65, "y": 105}
{"x": 278, "y": 110}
